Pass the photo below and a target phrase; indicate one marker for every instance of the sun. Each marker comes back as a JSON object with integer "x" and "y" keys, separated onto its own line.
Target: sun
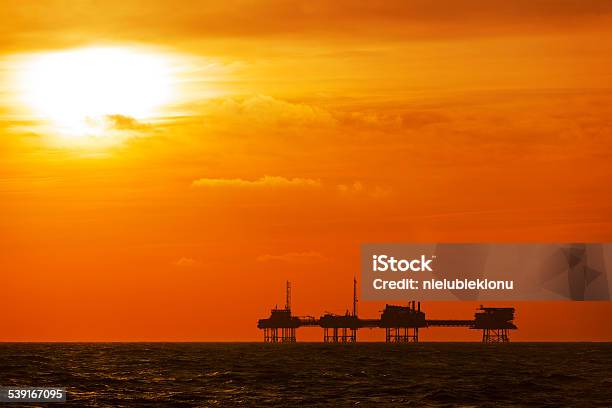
{"x": 77, "y": 90}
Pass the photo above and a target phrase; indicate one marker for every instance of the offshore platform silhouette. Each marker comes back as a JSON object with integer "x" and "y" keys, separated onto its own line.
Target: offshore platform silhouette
{"x": 401, "y": 323}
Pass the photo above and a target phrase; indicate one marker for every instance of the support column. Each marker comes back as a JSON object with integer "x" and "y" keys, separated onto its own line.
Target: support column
{"x": 402, "y": 334}
{"x": 339, "y": 335}
{"x": 495, "y": 336}
{"x": 287, "y": 335}
{"x": 271, "y": 335}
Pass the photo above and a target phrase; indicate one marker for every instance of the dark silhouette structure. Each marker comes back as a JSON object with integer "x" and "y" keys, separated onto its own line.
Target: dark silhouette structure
{"x": 281, "y": 319}
{"x": 401, "y": 323}
{"x": 494, "y": 323}
{"x": 341, "y": 329}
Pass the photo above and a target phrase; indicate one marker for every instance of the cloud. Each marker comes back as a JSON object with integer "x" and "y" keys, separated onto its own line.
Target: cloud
{"x": 122, "y": 122}
{"x": 351, "y": 188}
{"x": 293, "y": 257}
{"x": 264, "y": 182}
{"x": 358, "y": 188}
{"x": 262, "y": 110}
{"x": 186, "y": 263}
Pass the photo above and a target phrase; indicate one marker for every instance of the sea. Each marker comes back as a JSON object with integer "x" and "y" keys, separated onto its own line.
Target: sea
{"x": 314, "y": 374}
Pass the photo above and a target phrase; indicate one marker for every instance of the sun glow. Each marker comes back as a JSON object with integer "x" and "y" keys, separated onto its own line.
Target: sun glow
{"x": 78, "y": 90}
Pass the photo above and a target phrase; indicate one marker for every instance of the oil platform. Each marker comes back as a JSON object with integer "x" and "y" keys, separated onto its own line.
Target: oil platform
{"x": 401, "y": 323}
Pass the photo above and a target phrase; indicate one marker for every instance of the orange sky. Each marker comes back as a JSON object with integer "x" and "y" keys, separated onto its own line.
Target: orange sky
{"x": 299, "y": 131}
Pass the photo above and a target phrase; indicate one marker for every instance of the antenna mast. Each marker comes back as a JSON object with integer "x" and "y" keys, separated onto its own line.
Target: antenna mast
{"x": 354, "y": 296}
{"x": 288, "y": 297}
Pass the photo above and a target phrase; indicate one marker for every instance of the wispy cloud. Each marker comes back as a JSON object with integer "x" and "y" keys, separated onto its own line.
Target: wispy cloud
{"x": 263, "y": 182}
{"x": 262, "y": 110}
{"x": 293, "y": 257}
{"x": 359, "y": 188}
{"x": 123, "y": 122}
{"x": 186, "y": 263}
